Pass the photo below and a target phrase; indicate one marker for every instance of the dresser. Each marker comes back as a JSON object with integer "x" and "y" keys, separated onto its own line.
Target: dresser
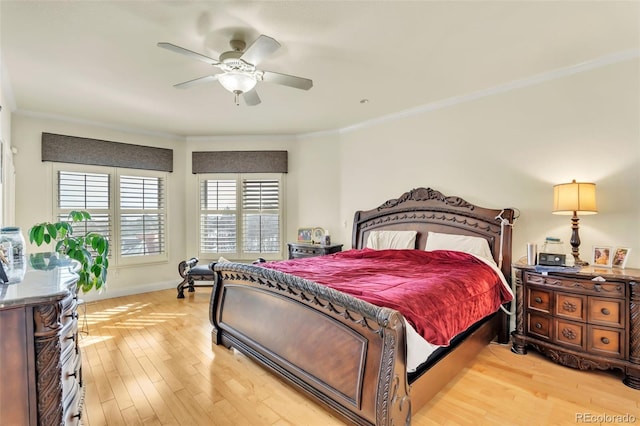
{"x": 299, "y": 250}
{"x": 40, "y": 361}
{"x": 586, "y": 319}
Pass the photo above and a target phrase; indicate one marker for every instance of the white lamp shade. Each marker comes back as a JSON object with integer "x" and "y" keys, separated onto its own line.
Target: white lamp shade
{"x": 576, "y": 197}
{"x": 237, "y": 82}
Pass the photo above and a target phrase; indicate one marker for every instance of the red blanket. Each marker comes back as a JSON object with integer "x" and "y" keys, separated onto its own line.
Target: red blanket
{"x": 440, "y": 293}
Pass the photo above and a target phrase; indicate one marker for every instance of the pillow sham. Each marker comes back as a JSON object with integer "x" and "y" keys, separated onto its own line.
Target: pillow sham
{"x": 381, "y": 240}
{"x": 465, "y": 243}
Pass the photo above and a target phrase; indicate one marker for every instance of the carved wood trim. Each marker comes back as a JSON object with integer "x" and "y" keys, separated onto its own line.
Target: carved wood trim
{"x": 48, "y": 368}
{"x": 355, "y": 310}
{"x": 424, "y": 194}
{"x": 634, "y": 323}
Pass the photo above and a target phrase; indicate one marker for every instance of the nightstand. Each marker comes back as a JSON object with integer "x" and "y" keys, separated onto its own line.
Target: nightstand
{"x": 580, "y": 322}
{"x": 299, "y": 250}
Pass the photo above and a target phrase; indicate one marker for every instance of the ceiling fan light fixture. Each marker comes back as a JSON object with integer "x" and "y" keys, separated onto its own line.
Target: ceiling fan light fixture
{"x": 237, "y": 82}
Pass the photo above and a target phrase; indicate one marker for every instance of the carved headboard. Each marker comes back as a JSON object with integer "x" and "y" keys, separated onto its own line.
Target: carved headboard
{"x": 425, "y": 209}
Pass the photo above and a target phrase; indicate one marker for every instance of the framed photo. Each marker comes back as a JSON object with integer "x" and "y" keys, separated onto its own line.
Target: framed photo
{"x": 602, "y": 256}
{"x": 620, "y": 257}
{"x": 305, "y": 235}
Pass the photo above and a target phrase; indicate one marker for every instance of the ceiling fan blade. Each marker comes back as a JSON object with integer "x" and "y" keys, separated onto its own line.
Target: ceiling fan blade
{"x": 195, "y": 81}
{"x": 287, "y": 80}
{"x": 251, "y": 97}
{"x": 262, "y": 47}
{"x": 187, "y": 52}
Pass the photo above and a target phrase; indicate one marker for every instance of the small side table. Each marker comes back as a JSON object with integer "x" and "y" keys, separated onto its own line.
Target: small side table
{"x": 300, "y": 250}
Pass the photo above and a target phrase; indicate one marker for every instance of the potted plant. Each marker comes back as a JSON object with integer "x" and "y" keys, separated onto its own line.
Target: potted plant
{"x": 91, "y": 249}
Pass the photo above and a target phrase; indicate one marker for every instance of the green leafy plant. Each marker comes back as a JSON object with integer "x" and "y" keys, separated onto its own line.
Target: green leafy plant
{"x": 91, "y": 249}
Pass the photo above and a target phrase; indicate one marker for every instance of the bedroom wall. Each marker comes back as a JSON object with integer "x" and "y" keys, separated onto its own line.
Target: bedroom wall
{"x": 35, "y": 191}
{"x": 508, "y": 149}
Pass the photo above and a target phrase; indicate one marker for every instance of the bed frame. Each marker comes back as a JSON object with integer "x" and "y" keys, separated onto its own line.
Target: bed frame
{"x": 346, "y": 353}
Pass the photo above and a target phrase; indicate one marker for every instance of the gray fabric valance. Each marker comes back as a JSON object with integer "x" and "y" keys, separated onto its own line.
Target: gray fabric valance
{"x": 239, "y": 162}
{"x": 77, "y": 150}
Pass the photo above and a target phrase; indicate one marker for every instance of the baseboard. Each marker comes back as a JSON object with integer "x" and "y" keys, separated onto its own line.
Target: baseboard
{"x": 109, "y": 293}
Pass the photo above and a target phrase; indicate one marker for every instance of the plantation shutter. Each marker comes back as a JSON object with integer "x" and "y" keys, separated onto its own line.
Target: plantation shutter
{"x": 261, "y": 215}
{"x": 218, "y": 216}
{"x": 85, "y": 191}
{"x": 142, "y": 216}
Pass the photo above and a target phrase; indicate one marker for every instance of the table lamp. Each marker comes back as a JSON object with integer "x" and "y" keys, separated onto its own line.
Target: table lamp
{"x": 573, "y": 198}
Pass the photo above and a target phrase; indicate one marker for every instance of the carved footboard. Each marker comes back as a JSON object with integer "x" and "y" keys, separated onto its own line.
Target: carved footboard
{"x": 344, "y": 352}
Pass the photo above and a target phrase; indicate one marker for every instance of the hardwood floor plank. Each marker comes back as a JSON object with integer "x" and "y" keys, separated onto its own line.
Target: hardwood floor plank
{"x": 148, "y": 359}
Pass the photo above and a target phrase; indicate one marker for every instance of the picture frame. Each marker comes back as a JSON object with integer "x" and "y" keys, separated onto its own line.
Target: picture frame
{"x": 620, "y": 257}
{"x": 602, "y": 256}
{"x": 305, "y": 235}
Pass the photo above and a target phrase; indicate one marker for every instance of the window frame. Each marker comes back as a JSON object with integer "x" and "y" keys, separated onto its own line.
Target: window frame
{"x": 114, "y": 209}
{"x": 240, "y": 254}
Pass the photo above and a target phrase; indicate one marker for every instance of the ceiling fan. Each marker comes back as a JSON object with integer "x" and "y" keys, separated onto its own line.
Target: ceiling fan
{"x": 239, "y": 73}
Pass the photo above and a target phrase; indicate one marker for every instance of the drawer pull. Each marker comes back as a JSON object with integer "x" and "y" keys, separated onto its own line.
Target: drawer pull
{"x": 598, "y": 288}
{"x": 538, "y": 299}
{"x": 72, "y": 337}
{"x": 78, "y": 416}
{"x": 605, "y": 311}
{"x": 538, "y": 325}
{"x": 74, "y": 374}
{"x": 73, "y": 315}
{"x": 604, "y": 340}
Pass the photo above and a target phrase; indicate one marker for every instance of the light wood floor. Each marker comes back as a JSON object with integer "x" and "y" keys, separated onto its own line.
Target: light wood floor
{"x": 148, "y": 359}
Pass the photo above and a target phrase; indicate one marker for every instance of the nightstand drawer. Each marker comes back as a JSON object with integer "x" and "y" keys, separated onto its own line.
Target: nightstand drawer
{"x": 607, "y": 342}
{"x": 609, "y": 312}
{"x": 595, "y": 288}
{"x": 571, "y": 306}
{"x": 540, "y": 300}
{"x": 539, "y": 325}
{"x": 572, "y": 334}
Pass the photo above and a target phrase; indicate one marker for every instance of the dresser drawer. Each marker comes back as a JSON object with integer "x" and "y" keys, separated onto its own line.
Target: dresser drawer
{"x": 572, "y": 334}
{"x": 606, "y": 341}
{"x": 539, "y": 325}
{"x": 588, "y": 287}
{"x": 571, "y": 306}
{"x": 610, "y": 312}
{"x": 538, "y": 299}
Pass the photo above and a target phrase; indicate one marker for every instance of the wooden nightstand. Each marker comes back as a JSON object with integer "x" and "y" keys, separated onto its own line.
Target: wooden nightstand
{"x": 298, "y": 250}
{"x": 579, "y": 322}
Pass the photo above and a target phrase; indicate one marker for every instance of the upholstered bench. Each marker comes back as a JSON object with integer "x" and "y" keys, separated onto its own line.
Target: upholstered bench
{"x": 191, "y": 272}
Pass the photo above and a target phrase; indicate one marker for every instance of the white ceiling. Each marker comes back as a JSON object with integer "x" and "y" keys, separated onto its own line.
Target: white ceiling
{"x": 97, "y": 61}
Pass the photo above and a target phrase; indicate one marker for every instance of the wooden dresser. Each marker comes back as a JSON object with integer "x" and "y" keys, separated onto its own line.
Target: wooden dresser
{"x": 40, "y": 362}
{"x": 298, "y": 250}
{"x": 586, "y": 319}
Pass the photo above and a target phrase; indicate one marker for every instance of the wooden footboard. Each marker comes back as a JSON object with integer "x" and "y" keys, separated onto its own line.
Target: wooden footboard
{"x": 344, "y": 352}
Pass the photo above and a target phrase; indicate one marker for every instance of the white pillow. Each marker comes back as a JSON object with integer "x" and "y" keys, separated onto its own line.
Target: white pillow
{"x": 380, "y": 240}
{"x": 472, "y": 245}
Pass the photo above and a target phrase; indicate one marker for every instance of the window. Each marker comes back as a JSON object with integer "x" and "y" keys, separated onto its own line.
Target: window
{"x": 137, "y": 201}
{"x": 141, "y": 216}
{"x": 85, "y": 191}
{"x": 241, "y": 216}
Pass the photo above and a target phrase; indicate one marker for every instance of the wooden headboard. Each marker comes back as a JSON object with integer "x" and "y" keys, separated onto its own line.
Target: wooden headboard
{"x": 425, "y": 209}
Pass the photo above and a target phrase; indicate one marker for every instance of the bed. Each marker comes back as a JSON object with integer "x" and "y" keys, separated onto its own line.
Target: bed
{"x": 344, "y": 352}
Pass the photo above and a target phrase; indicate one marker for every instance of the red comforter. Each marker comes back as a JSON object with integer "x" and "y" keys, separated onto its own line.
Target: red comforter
{"x": 440, "y": 293}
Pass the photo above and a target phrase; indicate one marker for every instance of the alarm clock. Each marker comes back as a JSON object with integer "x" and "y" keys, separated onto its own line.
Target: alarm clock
{"x": 551, "y": 259}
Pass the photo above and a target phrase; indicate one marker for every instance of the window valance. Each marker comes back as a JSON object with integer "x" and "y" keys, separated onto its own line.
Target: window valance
{"x": 239, "y": 162}
{"x": 78, "y": 150}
